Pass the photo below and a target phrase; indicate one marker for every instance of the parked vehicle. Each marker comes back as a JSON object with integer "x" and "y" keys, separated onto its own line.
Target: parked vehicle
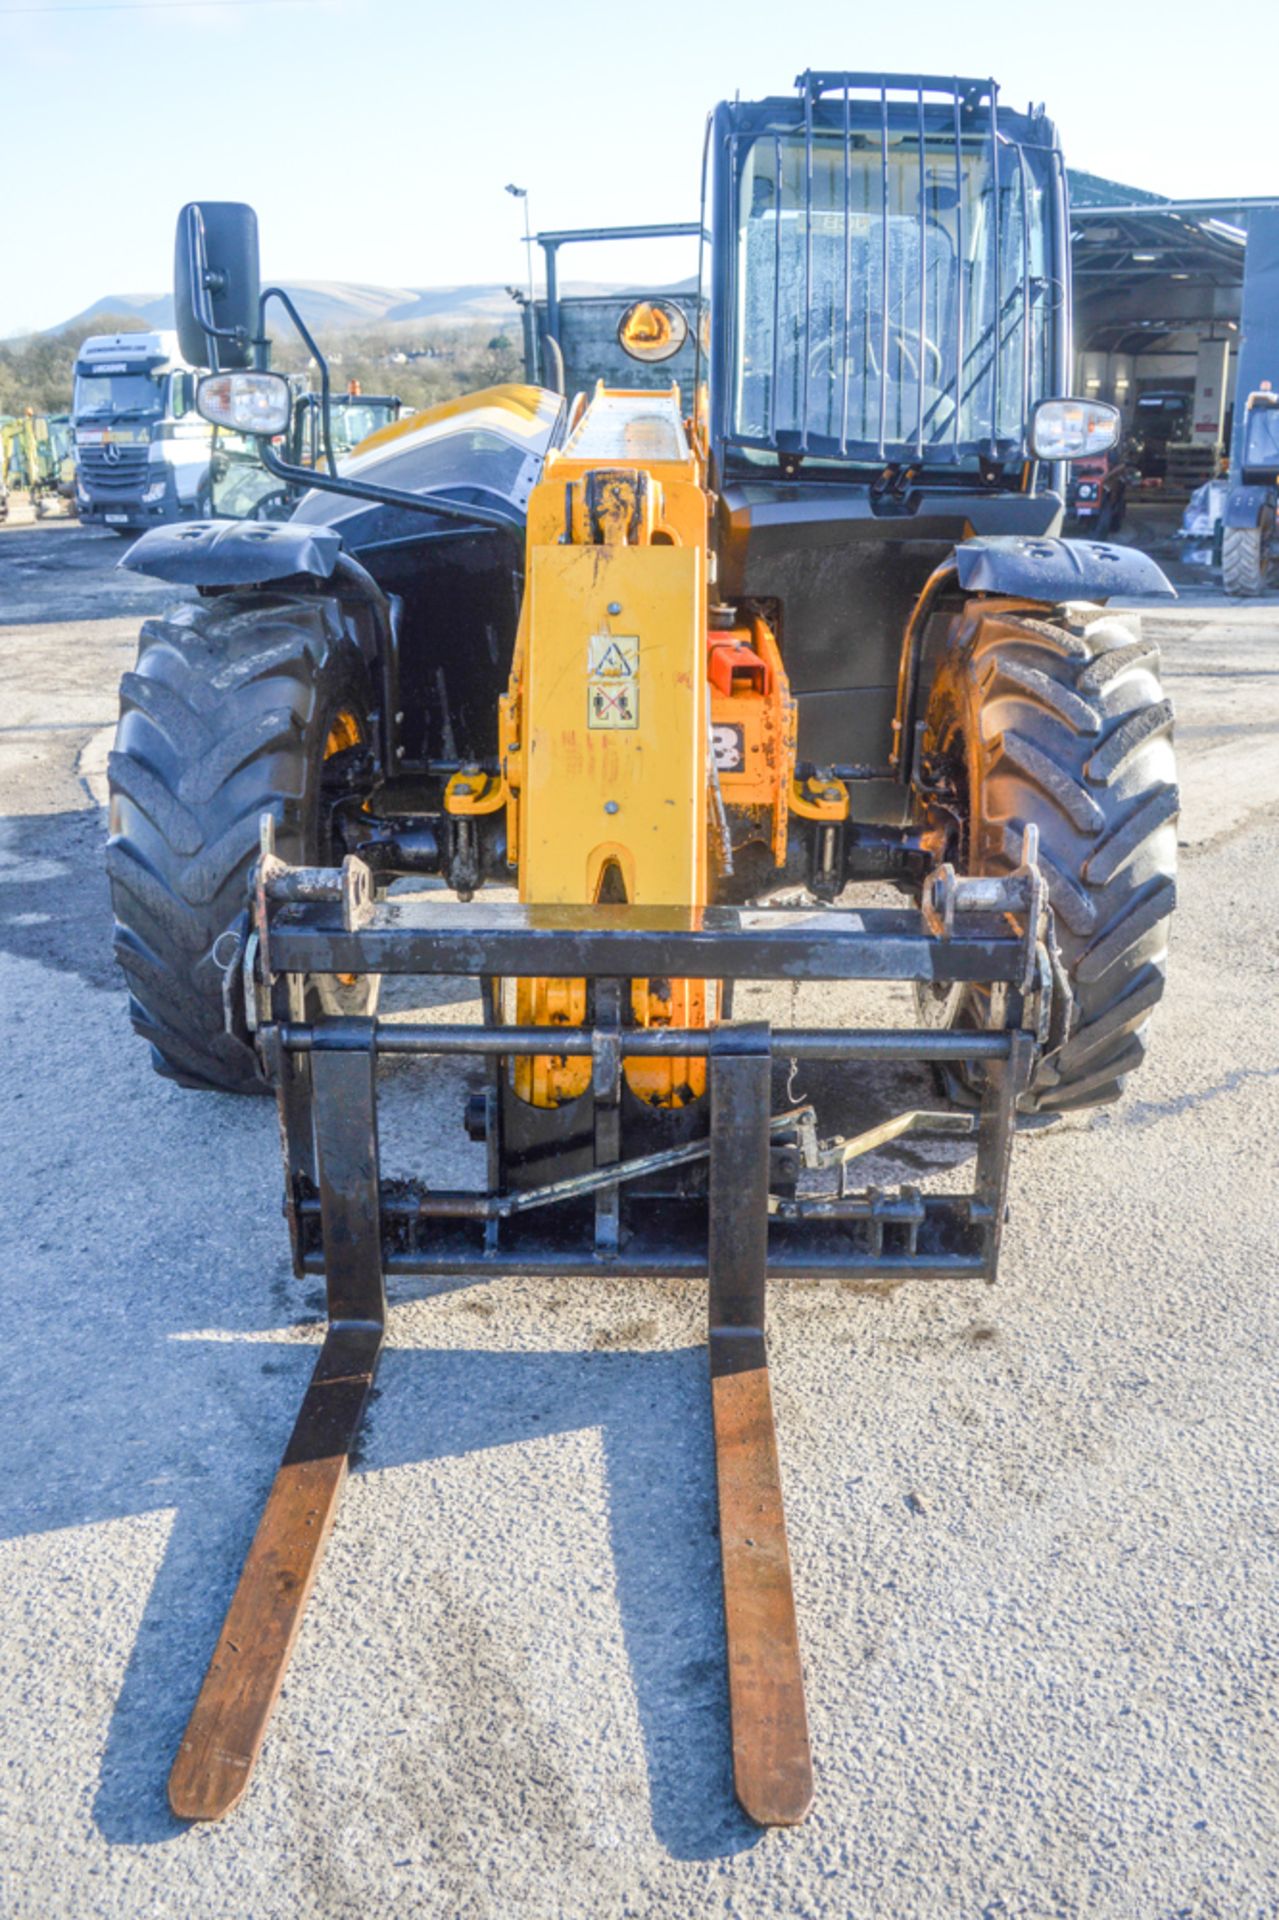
{"x": 55, "y": 481}
{"x": 36, "y": 458}
{"x": 1159, "y": 416}
{"x": 19, "y": 457}
{"x": 142, "y": 450}
{"x": 1097, "y": 494}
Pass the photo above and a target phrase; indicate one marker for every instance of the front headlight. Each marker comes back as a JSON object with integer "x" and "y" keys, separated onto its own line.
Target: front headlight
{"x": 1073, "y": 429}
{"x": 155, "y": 491}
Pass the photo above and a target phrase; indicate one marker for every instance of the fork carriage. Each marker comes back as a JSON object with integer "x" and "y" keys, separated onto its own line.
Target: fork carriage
{"x": 749, "y": 1196}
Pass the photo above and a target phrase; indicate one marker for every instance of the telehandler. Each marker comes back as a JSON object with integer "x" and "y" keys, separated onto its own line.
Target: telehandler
{"x": 682, "y": 683}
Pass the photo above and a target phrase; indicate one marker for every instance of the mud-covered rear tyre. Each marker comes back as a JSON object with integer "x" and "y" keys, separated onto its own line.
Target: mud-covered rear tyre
{"x": 1245, "y": 556}
{"x": 1057, "y": 717}
{"x": 227, "y": 715}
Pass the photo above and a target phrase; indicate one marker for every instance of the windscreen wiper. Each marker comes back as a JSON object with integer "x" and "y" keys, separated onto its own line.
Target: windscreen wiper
{"x": 947, "y": 392}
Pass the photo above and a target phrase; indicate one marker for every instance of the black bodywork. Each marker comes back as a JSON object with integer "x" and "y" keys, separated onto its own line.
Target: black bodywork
{"x": 434, "y": 599}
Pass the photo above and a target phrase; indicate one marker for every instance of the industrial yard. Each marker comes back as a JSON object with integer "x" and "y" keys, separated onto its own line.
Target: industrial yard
{"x": 639, "y": 817}
{"x": 1034, "y": 1527}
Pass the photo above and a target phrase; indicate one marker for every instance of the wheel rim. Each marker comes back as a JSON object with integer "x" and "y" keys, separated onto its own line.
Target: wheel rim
{"x": 957, "y": 1005}
{"x": 345, "y": 732}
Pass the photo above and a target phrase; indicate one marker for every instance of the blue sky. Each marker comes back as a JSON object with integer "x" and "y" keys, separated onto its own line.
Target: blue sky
{"x": 375, "y": 136}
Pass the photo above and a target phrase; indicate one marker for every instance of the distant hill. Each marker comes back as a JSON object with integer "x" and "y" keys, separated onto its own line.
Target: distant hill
{"x": 331, "y": 305}
{"x": 335, "y": 304}
{"x": 153, "y": 309}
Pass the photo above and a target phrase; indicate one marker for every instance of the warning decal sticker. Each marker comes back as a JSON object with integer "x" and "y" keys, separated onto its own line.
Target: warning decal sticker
{"x": 612, "y": 680}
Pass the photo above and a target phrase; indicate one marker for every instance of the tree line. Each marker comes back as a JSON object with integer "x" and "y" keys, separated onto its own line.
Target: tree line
{"x": 37, "y": 371}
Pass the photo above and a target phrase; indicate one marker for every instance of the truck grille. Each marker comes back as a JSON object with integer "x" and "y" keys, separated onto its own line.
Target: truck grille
{"x": 126, "y": 474}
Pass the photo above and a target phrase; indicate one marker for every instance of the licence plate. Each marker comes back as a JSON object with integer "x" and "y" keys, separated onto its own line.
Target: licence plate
{"x": 116, "y": 519}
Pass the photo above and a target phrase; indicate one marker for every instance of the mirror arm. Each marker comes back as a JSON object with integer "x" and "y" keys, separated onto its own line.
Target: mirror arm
{"x": 331, "y": 482}
{"x": 386, "y": 496}
{"x": 312, "y": 346}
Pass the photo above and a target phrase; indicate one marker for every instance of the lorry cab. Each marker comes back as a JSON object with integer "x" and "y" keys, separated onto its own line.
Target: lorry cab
{"x": 142, "y": 450}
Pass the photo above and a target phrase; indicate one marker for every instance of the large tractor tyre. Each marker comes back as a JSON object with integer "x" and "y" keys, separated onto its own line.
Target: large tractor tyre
{"x": 246, "y": 704}
{"x": 1056, "y": 718}
{"x": 1245, "y": 556}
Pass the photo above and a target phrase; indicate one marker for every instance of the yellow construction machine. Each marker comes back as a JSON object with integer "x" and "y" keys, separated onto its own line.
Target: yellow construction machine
{"x": 685, "y": 684}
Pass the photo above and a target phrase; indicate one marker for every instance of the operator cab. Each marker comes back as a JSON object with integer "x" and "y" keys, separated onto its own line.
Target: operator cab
{"x": 890, "y": 278}
{"x": 888, "y": 286}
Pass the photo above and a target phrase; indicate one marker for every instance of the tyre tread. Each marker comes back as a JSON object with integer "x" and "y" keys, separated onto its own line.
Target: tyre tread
{"x": 215, "y": 720}
{"x": 1066, "y": 726}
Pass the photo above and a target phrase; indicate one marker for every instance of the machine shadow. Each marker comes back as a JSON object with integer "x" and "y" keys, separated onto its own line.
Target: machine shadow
{"x": 55, "y": 908}
{"x": 652, "y": 1410}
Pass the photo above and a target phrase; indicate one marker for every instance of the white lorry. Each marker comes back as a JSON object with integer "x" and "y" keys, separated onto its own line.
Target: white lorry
{"x": 142, "y": 451}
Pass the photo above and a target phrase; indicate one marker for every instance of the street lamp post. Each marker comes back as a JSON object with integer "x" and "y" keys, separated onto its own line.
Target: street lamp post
{"x": 521, "y": 193}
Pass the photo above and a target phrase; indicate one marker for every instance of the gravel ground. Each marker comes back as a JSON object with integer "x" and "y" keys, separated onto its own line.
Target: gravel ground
{"x": 1034, "y": 1528}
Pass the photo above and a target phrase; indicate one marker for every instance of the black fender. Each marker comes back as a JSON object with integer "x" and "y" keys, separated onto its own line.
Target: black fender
{"x": 225, "y": 555}
{"x": 1016, "y": 566}
{"x": 1040, "y": 567}
{"x": 234, "y": 553}
{"x": 1245, "y": 505}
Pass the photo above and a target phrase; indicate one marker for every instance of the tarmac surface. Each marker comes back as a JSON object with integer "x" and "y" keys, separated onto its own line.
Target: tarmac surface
{"x": 1035, "y": 1529}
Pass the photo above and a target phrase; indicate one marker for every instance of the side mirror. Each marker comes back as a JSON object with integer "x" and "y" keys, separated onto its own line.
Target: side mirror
{"x": 216, "y": 283}
{"x": 1073, "y": 429}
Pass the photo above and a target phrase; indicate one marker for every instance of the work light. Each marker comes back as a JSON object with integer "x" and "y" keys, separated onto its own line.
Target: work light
{"x": 246, "y": 402}
{"x": 1073, "y": 429}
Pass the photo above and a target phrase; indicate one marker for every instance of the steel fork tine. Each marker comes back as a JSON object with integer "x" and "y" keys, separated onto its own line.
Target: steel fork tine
{"x": 772, "y": 1768}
